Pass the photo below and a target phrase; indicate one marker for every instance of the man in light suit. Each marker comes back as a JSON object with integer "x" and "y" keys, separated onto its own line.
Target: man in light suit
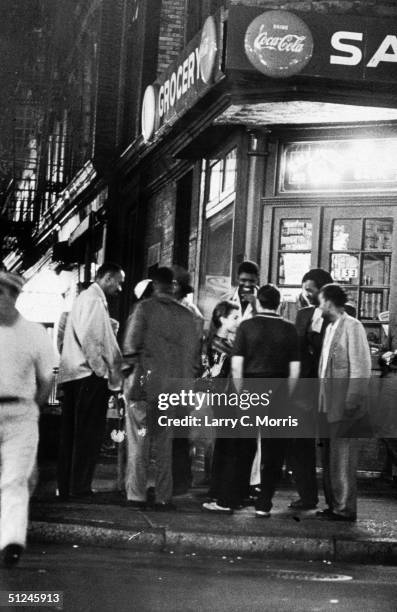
{"x": 344, "y": 372}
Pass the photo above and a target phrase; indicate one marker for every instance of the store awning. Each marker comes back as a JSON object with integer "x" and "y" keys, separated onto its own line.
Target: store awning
{"x": 80, "y": 230}
{"x": 301, "y": 112}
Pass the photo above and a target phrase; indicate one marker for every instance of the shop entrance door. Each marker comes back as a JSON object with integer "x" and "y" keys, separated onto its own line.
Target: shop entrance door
{"x": 357, "y": 243}
{"x": 295, "y": 250}
{"x": 358, "y": 248}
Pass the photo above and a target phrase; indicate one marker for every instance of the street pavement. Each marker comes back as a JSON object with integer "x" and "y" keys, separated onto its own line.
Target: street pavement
{"x": 92, "y": 579}
{"x": 107, "y": 521}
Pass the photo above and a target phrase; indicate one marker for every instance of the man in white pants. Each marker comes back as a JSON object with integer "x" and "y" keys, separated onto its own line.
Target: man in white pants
{"x": 27, "y": 360}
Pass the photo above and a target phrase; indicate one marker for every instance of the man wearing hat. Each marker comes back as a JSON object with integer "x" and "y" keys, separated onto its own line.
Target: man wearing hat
{"x": 160, "y": 347}
{"x": 27, "y": 360}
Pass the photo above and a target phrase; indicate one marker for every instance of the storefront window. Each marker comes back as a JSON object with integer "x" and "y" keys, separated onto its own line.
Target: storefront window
{"x": 216, "y": 177}
{"x": 222, "y": 179}
{"x": 295, "y": 245}
{"x": 219, "y": 244}
{"x": 365, "y": 270}
{"x": 229, "y": 174}
{"x": 217, "y": 253}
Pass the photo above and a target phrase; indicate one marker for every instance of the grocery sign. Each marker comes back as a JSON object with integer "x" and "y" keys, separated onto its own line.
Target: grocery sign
{"x": 281, "y": 44}
{"x": 185, "y": 81}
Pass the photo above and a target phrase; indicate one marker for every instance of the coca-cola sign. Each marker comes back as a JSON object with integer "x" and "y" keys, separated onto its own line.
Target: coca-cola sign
{"x": 278, "y": 44}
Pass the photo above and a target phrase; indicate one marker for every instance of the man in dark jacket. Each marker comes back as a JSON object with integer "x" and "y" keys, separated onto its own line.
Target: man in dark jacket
{"x": 161, "y": 346}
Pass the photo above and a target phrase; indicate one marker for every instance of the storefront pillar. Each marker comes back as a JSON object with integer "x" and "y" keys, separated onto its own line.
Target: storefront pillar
{"x": 257, "y": 159}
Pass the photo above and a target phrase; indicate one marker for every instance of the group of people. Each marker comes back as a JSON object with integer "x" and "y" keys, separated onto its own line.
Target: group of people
{"x": 163, "y": 342}
{"x": 248, "y": 339}
{"x": 325, "y": 359}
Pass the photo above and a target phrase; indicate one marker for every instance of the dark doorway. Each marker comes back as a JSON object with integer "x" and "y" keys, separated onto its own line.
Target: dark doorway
{"x": 182, "y": 219}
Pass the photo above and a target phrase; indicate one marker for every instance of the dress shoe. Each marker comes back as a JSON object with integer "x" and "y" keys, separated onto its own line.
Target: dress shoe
{"x": 136, "y": 505}
{"x": 262, "y": 514}
{"x": 299, "y": 504}
{"x": 165, "y": 507}
{"x": 324, "y": 513}
{"x": 213, "y": 506}
{"x": 341, "y": 517}
{"x": 150, "y": 496}
{"x": 11, "y": 555}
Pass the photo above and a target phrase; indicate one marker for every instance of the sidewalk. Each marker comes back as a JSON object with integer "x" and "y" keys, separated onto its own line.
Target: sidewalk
{"x": 287, "y": 534}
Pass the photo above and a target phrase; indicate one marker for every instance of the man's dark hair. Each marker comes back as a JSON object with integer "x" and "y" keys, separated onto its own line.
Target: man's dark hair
{"x": 248, "y": 267}
{"x": 319, "y": 277}
{"x": 108, "y": 268}
{"x": 335, "y": 294}
{"x": 269, "y": 297}
{"x": 163, "y": 276}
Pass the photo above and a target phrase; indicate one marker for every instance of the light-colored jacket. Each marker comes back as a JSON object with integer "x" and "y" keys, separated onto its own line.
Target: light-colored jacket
{"x": 90, "y": 345}
{"x": 348, "y": 370}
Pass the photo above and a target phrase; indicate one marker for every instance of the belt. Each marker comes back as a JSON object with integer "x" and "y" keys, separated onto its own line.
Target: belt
{"x": 9, "y": 400}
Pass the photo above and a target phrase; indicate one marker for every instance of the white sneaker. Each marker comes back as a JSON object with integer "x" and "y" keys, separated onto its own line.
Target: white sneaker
{"x": 262, "y": 514}
{"x": 214, "y": 507}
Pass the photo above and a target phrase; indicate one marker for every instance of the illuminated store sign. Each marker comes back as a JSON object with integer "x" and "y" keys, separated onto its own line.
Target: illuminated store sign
{"x": 281, "y": 44}
{"x": 184, "y": 82}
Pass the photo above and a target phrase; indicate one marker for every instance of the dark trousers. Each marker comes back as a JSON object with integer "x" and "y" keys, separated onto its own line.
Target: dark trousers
{"x": 302, "y": 459}
{"x": 181, "y": 465}
{"x": 82, "y": 431}
{"x": 245, "y": 450}
{"x": 224, "y": 478}
{"x": 274, "y": 453}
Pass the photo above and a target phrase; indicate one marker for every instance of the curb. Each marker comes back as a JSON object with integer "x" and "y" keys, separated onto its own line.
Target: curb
{"x": 378, "y": 551}
{"x": 74, "y": 533}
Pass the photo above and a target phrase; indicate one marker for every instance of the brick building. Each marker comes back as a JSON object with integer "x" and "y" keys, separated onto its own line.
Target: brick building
{"x": 205, "y": 132}
{"x": 230, "y": 168}
{"x": 270, "y": 136}
{"x": 77, "y": 133}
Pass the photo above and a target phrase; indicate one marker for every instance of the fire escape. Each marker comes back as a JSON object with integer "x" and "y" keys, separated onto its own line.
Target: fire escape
{"x": 24, "y": 135}
{"x": 18, "y": 204}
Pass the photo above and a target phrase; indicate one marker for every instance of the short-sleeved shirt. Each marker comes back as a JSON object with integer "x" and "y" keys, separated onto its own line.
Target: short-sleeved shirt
{"x": 268, "y": 344}
{"x": 27, "y": 358}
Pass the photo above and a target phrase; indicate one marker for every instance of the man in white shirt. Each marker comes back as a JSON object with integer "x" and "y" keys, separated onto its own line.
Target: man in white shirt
{"x": 27, "y": 361}
{"x": 90, "y": 369}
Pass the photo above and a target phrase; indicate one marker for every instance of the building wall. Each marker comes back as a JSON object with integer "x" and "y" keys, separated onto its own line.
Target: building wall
{"x": 366, "y": 7}
{"x": 172, "y": 32}
{"x": 160, "y": 223}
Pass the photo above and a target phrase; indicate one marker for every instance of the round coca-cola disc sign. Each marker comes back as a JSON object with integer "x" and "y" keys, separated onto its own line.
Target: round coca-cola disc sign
{"x": 278, "y": 44}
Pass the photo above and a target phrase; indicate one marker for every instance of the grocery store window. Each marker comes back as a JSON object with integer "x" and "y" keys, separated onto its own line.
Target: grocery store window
{"x": 219, "y": 222}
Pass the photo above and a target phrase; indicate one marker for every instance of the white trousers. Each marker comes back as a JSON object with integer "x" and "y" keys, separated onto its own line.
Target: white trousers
{"x": 19, "y": 437}
{"x": 256, "y": 466}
